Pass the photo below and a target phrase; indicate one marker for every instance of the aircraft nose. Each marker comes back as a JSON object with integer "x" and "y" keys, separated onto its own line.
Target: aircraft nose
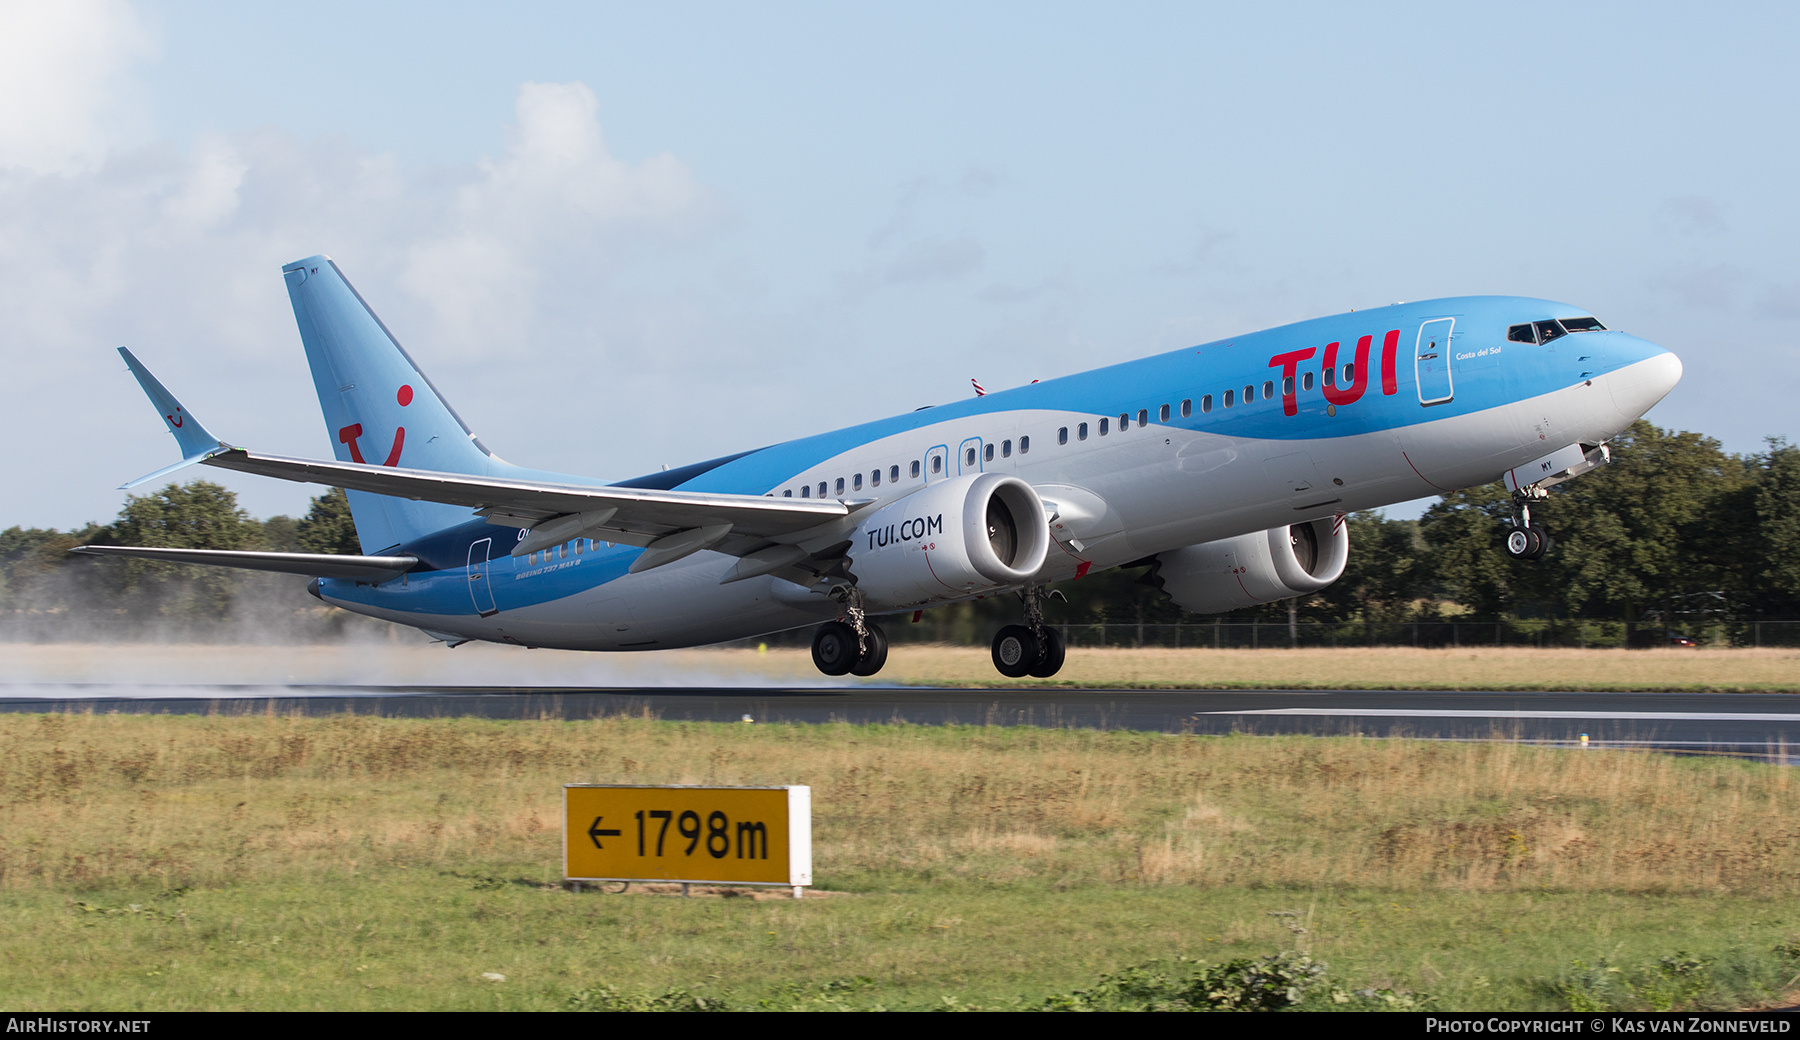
{"x": 1638, "y": 386}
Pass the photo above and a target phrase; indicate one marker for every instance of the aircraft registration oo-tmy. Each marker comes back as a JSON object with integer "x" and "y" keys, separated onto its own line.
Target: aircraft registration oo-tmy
{"x": 1228, "y": 468}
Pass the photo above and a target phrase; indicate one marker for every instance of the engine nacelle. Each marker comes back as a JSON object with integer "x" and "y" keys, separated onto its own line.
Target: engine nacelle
{"x": 951, "y": 540}
{"x": 1233, "y": 573}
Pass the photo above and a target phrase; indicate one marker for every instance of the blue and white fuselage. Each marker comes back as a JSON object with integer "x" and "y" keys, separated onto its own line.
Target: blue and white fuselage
{"x": 1138, "y": 460}
{"x": 1161, "y": 485}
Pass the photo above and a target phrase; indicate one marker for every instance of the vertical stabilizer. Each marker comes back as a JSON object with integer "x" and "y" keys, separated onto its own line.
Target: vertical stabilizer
{"x": 379, "y": 407}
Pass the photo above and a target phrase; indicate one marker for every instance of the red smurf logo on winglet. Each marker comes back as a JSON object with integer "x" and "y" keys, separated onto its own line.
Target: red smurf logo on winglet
{"x": 348, "y": 435}
{"x": 176, "y": 419}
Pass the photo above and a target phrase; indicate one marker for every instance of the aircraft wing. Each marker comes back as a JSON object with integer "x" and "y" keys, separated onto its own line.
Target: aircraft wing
{"x": 764, "y": 531}
{"x": 666, "y": 522}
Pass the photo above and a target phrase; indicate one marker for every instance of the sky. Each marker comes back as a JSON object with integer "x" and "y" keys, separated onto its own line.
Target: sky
{"x": 619, "y": 236}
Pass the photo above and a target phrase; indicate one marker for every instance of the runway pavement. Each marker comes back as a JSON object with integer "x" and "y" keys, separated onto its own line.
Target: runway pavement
{"x": 1756, "y": 725}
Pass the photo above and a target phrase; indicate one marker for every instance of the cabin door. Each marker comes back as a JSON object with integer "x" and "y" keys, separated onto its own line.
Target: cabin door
{"x": 1431, "y": 361}
{"x": 481, "y": 590}
{"x": 968, "y": 457}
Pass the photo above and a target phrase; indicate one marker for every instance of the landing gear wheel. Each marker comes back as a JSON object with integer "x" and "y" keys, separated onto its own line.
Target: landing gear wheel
{"x": 1528, "y": 543}
{"x": 834, "y": 648}
{"x": 874, "y": 650}
{"x": 1016, "y": 651}
{"x": 1050, "y": 654}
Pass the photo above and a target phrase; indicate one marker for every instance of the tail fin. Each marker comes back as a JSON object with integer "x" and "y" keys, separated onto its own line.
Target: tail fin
{"x": 379, "y": 407}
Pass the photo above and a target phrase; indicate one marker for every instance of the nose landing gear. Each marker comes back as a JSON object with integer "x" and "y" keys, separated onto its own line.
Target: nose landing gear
{"x": 1525, "y": 542}
{"x": 1033, "y": 648}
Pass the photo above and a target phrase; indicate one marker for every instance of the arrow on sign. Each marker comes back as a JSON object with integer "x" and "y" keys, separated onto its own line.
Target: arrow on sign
{"x": 596, "y": 833}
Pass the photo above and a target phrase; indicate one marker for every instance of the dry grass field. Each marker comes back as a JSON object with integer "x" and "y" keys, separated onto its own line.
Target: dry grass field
{"x": 1699, "y": 670}
{"x": 186, "y": 800}
{"x": 1401, "y": 668}
{"x": 289, "y": 862}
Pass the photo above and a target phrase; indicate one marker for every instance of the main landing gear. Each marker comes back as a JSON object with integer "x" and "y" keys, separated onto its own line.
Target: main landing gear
{"x": 1033, "y": 648}
{"x": 856, "y": 646}
{"x": 1525, "y": 542}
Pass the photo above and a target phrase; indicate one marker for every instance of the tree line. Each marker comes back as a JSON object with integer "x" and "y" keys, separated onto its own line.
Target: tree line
{"x": 42, "y": 583}
{"x": 1675, "y": 532}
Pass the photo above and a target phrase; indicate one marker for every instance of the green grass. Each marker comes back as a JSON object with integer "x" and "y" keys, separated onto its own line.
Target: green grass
{"x": 396, "y": 940}
{"x": 174, "y": 862}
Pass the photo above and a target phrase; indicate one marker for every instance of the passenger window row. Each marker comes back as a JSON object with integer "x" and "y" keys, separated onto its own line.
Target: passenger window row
{"x": 1341, "y": 375}
{"x": 1346, "y": 374}
{"x": 1103, "y": 428}
{"x": 855, "y": 482}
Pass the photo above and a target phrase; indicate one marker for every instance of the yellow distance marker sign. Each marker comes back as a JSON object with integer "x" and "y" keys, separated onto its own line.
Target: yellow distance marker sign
{"x": 730, "y": 835}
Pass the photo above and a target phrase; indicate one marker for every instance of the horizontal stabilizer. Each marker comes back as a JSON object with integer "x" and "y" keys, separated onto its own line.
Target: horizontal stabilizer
{"x": 375, "y": 569}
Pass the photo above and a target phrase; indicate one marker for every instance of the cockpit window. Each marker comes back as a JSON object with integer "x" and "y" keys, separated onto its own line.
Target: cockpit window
{"x": 1545, "y": 331}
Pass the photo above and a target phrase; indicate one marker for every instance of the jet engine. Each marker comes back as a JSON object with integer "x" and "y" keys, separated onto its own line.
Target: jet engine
{"x": 951, "y": 540}
{"x": 1232, "y": 573}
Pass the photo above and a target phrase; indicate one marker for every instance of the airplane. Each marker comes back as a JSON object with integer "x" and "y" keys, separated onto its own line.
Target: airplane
{"x": 1229, "y": 468}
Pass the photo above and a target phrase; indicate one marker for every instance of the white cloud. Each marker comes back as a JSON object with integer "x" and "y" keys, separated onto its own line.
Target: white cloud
{"x": 208, "y": 194}
{"x": 507, "y": 260}
{"x": 475, "y": 249}
{"x": 64, "y": 70}
{"x": 546, "y": 217}
{"x": 556, "y": 166}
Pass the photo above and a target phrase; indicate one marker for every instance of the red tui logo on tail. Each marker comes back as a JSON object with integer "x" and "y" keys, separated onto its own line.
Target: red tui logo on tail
{"x": 348, "y": 435}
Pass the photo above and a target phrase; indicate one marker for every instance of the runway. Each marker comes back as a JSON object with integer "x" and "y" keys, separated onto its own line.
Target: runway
{"x": 1765, "y": 726}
